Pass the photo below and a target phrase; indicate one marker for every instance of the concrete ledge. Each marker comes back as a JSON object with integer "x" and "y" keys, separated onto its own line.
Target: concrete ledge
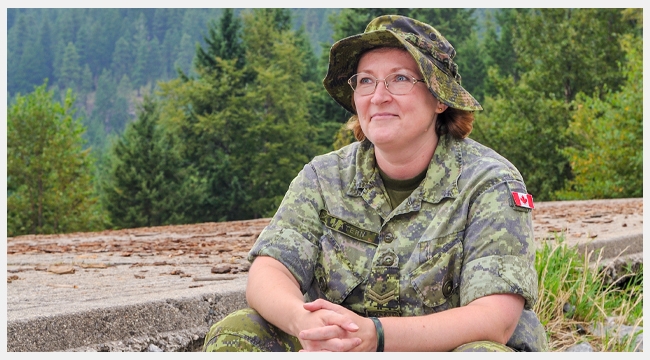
{"x": 615, "y": 247}
{"x": 177, "y": 324}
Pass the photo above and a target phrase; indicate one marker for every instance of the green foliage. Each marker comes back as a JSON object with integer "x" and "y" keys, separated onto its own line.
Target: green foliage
{"x": 143, "y": 187}
{"x": 245, "y": 131}
{"x": 575, "y": 290}
{"x": 560, "y": 102}
{"x": 570, "y": 50}
{"x": 472, "y": 67}
{"x": 70, "y": 72}
{"x": 607, "y": 158}
{"x": 526, "y": 128}
{"x": 276, "y": 107}
{"x": 223, "y": 41}
{"x": 499, "y": 47}
{"x": 198, "y": 114}
{"x": 524, "y": 118}
{"x": 49, "y": 175}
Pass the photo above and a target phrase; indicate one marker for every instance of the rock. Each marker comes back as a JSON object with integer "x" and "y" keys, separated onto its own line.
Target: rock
{"x": 613, "y": 328}
{"x": 154, "y": 348}
{"x": 221, "y": 269}
{"x": 568, "y": 308}
{"x": 61, "y": 269}
{"x": 582, "y": 347}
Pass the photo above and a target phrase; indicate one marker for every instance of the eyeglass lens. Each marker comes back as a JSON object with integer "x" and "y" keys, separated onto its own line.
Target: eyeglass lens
{"x": 396, "y": 84}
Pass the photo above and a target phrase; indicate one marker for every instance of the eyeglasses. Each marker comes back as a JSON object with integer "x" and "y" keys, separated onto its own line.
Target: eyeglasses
{"x": 396, "y": 84}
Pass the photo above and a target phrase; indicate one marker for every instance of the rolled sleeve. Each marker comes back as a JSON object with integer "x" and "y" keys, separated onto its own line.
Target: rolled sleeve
{"x": 499, "y": 247}
{"x": 293, "y": 234}
{"x": 290, "y": 248}
{"x": 499, "y": 275}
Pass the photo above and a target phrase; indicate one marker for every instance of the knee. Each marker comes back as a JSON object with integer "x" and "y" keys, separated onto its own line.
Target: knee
{"x": 238, "y": 331}
{"x": 483, "y": 346}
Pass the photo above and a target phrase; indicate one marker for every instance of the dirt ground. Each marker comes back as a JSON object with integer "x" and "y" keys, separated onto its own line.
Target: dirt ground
{"x": 582, "y": 221}
{"x": 577, "y": 220}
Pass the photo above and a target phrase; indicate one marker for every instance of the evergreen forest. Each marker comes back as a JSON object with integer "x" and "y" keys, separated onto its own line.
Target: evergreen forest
{"x": 122, "y": 118}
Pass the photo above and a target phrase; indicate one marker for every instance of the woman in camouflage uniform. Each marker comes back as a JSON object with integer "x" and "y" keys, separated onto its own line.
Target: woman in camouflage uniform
{"x": 414, "y": 238}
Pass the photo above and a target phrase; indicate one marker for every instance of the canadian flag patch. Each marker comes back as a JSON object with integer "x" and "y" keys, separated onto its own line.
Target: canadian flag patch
{"x": 523, "y": 200}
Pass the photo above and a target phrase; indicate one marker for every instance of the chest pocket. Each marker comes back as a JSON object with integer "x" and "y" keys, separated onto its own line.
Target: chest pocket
{"x": 437, "y": 279}
{"x": 345, "y": 254}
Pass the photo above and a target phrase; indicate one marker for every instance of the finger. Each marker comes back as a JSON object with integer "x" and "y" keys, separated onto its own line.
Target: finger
{"x": 322, "y": 333}
{"x": 339, "y": 345}
{"x": 341, "y": 319}
{"x": 319, "y": 304}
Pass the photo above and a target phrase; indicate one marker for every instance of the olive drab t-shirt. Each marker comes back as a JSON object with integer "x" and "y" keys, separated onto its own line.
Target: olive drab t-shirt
{"x": 458, "y": 236}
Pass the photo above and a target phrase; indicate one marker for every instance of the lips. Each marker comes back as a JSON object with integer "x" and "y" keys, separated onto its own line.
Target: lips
{"x": 382, "y": 115}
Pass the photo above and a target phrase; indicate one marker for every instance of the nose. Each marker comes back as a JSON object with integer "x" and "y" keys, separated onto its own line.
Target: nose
{"x": 381, "y": 94}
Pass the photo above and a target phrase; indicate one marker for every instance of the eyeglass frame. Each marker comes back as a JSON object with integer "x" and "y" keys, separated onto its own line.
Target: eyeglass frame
{"x": 413, "y": 82}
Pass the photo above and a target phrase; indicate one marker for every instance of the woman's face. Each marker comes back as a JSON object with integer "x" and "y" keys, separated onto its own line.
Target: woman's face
{"x": 395, "y": 122}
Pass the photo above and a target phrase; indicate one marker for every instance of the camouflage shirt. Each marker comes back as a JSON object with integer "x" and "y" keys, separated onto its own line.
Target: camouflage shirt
{"x": 458, "y": 236}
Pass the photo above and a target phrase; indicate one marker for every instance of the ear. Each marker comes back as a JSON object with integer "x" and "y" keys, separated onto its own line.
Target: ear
{"x": 441, "y": 108}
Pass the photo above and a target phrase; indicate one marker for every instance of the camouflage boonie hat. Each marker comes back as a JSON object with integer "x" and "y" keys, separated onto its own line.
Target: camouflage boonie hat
{"x": 431, "y": 51}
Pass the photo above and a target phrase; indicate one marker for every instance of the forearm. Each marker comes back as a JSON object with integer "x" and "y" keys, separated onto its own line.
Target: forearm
{"x": 275, "y": 294}
{"x": 492, "y": 318}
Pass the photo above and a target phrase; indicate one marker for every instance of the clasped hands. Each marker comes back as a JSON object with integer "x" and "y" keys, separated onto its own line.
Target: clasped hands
{"x": 331, "y": 327}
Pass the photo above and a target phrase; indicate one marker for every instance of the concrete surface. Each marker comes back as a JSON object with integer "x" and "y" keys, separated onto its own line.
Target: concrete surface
{"x": 152, "y": 299}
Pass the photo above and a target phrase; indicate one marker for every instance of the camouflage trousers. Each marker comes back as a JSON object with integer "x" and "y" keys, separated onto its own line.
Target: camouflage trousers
{"x": 246, "y": 331}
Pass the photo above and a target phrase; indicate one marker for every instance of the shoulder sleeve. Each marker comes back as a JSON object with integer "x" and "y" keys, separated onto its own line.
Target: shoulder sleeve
{"x": 499, "y": 248}
{"x": 293, "y": 234}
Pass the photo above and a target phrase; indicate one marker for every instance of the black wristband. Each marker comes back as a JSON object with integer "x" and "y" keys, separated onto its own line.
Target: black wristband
{"x": 380, "y": 334}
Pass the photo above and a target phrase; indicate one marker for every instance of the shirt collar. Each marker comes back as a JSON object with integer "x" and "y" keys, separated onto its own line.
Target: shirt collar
{"x": 366, "y": 175}
{"x": 440, "y": 182}
{"x": 444, "y": 170}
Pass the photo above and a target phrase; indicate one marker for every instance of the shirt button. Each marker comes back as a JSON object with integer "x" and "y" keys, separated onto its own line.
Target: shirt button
{"x": 388, "y": 260}
{"x": 388, "y": 238}
{"x": 447, "y": 287}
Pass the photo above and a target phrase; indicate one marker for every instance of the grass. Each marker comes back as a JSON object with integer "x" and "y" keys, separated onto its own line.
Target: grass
{"x": 577, "y": 294}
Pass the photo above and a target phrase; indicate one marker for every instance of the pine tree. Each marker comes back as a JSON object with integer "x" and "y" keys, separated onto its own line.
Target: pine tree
{"x": 223, "y": 41}
{"x": 141, "y": 51}
{"x": 276, "y": 110}
{"x": 49, "y": 175}
{"x": 70, "y": 72}
{"x": 456, "y": 25}
{"x": 184, "y": 54}
{"x": 197, "y": 111}
{"x": 121, "y": 113}
{"x": 87, "y": 83}
{"x": 122, "y": 62}
{"x": 499, "y": 46}
{"x": 472, "y": 67}
{"x": 144, "y": 180}
{"x": 105, "y": 99}
{"x": 155, "y": 62}
{"x": 36, "y": 59}
{"x": 17, "y": 37}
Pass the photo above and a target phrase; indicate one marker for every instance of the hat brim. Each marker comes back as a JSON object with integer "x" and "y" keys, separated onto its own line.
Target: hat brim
{"x": 344, "y": 58}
